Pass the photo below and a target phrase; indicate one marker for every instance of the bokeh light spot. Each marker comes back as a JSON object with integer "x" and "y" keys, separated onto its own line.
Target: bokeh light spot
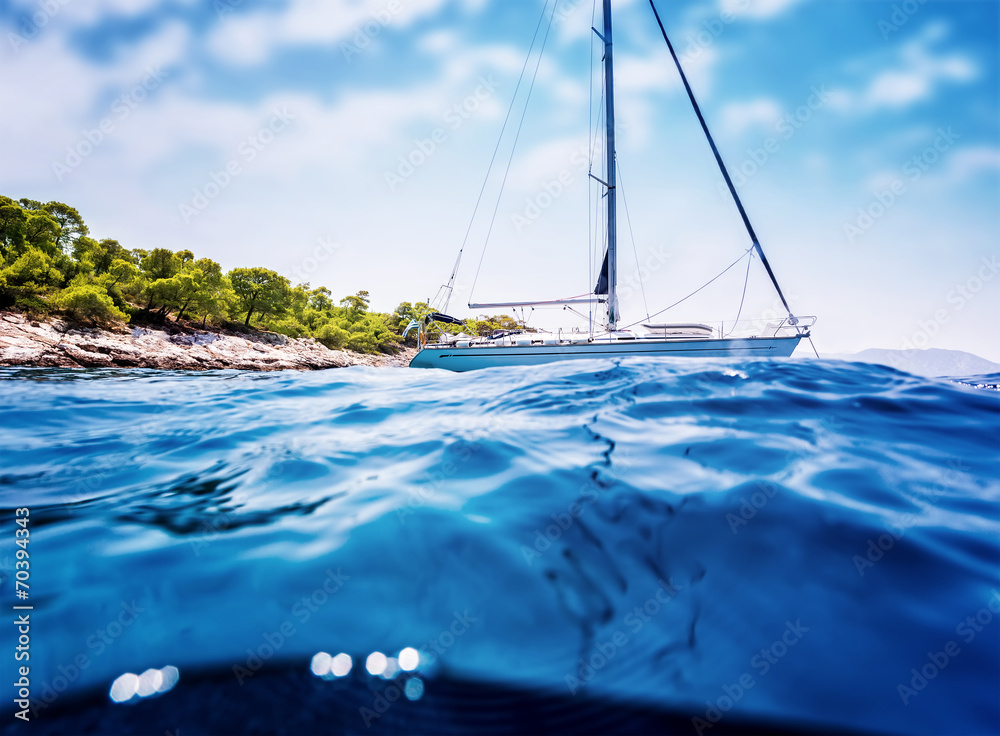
{"x": 414, "y": 688}
{"x": 409, "y": 659}
{"x": 376, "y": 663}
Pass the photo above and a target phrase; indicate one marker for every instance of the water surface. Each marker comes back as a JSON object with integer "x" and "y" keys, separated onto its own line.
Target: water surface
{"x": 589, "y": 547}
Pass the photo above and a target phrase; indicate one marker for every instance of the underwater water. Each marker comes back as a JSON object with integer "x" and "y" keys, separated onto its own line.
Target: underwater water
{"x": 593, "y": 546}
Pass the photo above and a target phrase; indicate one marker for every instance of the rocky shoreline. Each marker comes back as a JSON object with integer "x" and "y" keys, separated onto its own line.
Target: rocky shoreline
{"x": 58, "y": 343}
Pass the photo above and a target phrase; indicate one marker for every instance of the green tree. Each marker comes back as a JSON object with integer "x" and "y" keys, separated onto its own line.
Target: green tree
{"x": 121, "y": 273}
{"x": 320, "y": 301}
{"x": 160, "y": 263}
{"x": 42, "y": 231}
{"x": 207, "y": 289}
{"x": 357, "y": 303}
{"x": 100, "y": 254}
{"x": 486, "y": 326}
{"x": 405, "y": 313}
{"x": 70, "y": 223}
{"x": 12, "y": 224}
{"x": 159, "y": 267}
{"x": 259, "y": 290}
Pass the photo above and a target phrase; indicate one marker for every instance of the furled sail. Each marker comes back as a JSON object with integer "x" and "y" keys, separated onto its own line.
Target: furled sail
{"x": 602, "y": 278}
{"x": 438, "y": 317}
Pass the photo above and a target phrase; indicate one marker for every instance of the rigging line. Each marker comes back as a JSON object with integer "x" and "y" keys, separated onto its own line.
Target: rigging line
{"x": 746, "y": 280}
{"x": 598, "y": 238}
{"x": 590, "y": 185}
{"x": 517, "y": 135}
{"x": 593, "y": 155}
{"x": 722, "y": 168}
{"x": 503, "y": 129}
{"x": 597, "y": 254}
{"x": 635, "y": 252}
{"x": 813, "y": 347}
{"x": 600, "y": 117}
{"x": 578, "y": 314}
{"x": 657, "y": 314}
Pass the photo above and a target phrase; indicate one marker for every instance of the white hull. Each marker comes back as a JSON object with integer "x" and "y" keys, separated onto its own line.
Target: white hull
{"x": 454, "y": 358}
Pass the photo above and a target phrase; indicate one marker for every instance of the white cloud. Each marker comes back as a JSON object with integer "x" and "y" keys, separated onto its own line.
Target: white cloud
{"x": 250, "y": 38}
{"x": 90, "y": 12}
{"x": 954, "y": 168}
{"x": 965, "y": 163}
{"x": 739, "y": 116}
{"x": 644, "y": 73}
{"x": 438, "y": 42}
{"x": 241, "y": 40}
{"x": 758, "y": 9}
{"x": 75, "y": 92}
{"x": 914, "y": 77}
{"x": 533, "y": 167}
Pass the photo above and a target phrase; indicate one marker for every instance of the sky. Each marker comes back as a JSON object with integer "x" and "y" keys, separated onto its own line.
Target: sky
{"x": 345, "y": 143}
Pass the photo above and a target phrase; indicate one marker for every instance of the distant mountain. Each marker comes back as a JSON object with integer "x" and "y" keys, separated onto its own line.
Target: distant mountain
{"x": 929, "y": 362}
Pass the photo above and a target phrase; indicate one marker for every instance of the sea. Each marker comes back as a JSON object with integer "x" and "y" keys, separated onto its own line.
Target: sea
{"x": 619, "y": 546}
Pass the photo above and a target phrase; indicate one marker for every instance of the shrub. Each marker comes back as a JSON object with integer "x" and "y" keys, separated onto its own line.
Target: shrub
{"x": 32, "y": 305}
{"x": 289, "y": 327}
{"x": 32, "y": 270}
{"x": 88, "y": 302}
{"x": 332, "y": 336}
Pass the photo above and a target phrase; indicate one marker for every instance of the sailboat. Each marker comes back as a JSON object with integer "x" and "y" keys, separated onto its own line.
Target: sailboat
{"x": 522, "y": 347}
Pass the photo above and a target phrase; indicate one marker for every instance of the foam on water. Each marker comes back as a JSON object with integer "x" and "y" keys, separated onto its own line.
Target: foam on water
{"x": 791, "y": 540}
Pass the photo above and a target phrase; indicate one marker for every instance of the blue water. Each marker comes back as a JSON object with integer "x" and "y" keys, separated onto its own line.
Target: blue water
{"x": 802, "y": 545}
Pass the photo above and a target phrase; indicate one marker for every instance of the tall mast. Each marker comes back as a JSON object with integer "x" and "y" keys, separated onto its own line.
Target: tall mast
{"x": 609, "y": 83}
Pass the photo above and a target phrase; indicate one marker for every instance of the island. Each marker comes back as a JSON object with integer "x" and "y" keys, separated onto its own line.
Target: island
{"x": 70, "y": 300}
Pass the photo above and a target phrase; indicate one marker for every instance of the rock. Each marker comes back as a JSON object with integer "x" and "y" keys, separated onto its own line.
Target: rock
{"x": 58, "y": 344}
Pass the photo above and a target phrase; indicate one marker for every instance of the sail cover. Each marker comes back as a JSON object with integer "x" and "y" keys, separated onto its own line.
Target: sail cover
{"x": 602, "y": 278}
{"x": 438, "y": 317}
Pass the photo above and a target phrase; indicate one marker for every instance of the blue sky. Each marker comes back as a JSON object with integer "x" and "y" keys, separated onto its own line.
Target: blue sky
{"x": 865, "y": 137}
